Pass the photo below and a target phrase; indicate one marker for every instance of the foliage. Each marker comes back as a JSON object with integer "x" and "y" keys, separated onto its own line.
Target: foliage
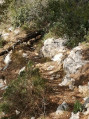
{"x": 77, "y": 106}
{"x": 87, "y": 37}
{"x": 24, "y": 94}
{"x": 61, "y": 17}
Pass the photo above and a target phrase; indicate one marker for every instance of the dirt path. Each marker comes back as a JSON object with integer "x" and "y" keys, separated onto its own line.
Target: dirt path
{"x": 55, "y": 93}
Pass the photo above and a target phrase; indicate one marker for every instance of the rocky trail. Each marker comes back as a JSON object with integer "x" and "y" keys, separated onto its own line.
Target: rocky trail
{"x": 66, "y": 71}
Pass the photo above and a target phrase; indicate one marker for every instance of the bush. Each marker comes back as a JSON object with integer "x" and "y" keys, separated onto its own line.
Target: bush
{"x": 26, "y": 14}
{"x": 62, "y": 17}
{"x": 77, "y": 106}
{"x": 25, "y": 94}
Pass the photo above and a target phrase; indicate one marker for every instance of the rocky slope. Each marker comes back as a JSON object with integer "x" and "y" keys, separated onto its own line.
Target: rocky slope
{"x": 67, "y": 72}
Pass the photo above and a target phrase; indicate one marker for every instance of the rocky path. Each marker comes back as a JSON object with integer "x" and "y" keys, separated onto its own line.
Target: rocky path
{"x": 56, "y": 71}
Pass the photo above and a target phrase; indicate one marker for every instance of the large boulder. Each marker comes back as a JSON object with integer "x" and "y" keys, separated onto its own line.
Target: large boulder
{"x": 71, "y": 65}
{"x": 53, "y": 47}
{"x": 74, "y": 61}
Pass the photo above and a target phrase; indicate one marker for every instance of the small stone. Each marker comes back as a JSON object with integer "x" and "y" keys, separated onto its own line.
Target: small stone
{"x": 21, "y": 70}
{"x": 24, "y": 55}
{"x": 74, "y": 116}
{"x": 61, "y": 108}
{"x": 32, "y": 117}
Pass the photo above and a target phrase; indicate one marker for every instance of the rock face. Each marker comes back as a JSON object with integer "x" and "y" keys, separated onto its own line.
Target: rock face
{"x": 56, "y": 50}
{"x": 86, "y": 105}
{"x": 53, "y": 47}
{"x": 68, "y": 81}
{"x": 71, "y": 65}
{"x": 61, "y": 108}
{"x": 74, "y": 61}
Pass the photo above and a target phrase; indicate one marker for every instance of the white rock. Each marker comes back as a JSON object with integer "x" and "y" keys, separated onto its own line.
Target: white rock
{"x": 86, "y": 105}
{"x": 4, "y": 88}
{"x": 74, "y": 116}
{"x": 3, "y": 84}
{"x": 11, "y": 29}
{"x": 61, "y": 108}
{"x": 24, "y": 55}
{"x": 7, "y": 59}
{"x": 17, "y": 112}
{"x": 5, "y": 36}
{"x": 32, "y": 117}
{"x": 67, "y": 81}
{"x": 58, "y": 57}
{"x": 86, "y": 112}
{"x": 53, "y": 46}
{"x": 74, "y": 61}
{"x": 21, "y": 70}
{"x": 16, "y": 31}
{"x": 85, "y": 98}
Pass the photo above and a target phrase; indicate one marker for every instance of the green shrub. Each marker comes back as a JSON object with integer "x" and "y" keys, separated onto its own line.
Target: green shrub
{"x": 87, "y": 37}
{"x": 77, "y": 106}
{"x": 61, "y": 17}
{"x": 25, "y": 94}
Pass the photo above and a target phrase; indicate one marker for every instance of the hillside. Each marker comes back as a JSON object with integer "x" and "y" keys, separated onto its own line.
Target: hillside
{"x": 44, "y": 59}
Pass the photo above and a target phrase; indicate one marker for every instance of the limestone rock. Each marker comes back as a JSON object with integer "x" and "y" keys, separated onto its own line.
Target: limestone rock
{"x": 59, "y": 57}
{"x": 67, "y": 81}
{"x": 53, "y": 47}
{"x": 74, "y": 61}
{"x": 5, "y": 35}
{"x": 86, "y": 105}
{"x": 74, "y": 116}
{"x": 61, "y": 108}
{"x": 22, "y": 70}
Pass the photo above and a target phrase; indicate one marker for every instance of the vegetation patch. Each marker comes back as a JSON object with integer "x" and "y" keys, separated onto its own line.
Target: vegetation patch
{"x": 77, "y": 107}
{"x": 24, "y": 94}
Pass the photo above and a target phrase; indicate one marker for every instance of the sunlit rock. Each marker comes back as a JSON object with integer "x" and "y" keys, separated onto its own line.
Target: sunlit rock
{"x": 3, "y": 85}
{"x": 22, "y": 70}
{"x": 74, "y": 61}
{"x": 74, "y": 116}
{"x": 16, "y": 31}
{"x": 24, "y": 55}
{"x": 17, "y": 112}
{"x": 5, "y": 35}
{"x": 58, "y": 57}
{"x": 86, "y": 106}
{"x": 53, "y": 47}
{"x": 7, "y": 59}
{"x": 32, "y": 117}
{"x": 61, "y": 108}
{"x": 67, "y": 81}
{"x": 11, "y": 29}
